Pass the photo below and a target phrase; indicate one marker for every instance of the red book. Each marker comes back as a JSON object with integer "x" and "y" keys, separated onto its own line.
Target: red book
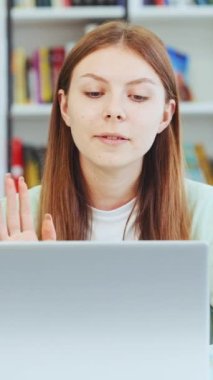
{"x": 57, "y": 55}
{"x": 159, "y": 2}
{"x": 67, "y": 3}
{"x": 17, "y": 160}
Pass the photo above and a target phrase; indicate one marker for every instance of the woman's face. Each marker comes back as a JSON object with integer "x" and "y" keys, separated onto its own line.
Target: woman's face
{"x": 115, "y": 107}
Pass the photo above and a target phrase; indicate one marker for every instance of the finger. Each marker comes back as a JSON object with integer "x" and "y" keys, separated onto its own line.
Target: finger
{"x": 12, "y": 213}
{"x": 25, "y": 209}
{"x": 48, "y": 229}
{"x": 3, "y": 228}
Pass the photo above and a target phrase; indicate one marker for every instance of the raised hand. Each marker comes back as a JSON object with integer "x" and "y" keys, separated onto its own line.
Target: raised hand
{"x": 19, "y": 220}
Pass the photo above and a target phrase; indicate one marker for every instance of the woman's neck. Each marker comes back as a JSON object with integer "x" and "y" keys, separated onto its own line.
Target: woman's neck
{"x": 109, "y": 189}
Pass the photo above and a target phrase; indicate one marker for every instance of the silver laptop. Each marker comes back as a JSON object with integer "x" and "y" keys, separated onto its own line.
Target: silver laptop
{"x": 95, "y": 311}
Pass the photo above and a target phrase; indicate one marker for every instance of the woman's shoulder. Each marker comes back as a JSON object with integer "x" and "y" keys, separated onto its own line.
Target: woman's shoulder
{"x": 35, "y": 193}
{"x": 200, "y": 202}
{"x": 199, "y": 193}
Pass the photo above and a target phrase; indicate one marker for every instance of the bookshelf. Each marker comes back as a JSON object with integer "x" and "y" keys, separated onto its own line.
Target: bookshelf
{"x": 3, "y": 95}
{"x": 188, "y": 28}
{"x": 49, "y": 26}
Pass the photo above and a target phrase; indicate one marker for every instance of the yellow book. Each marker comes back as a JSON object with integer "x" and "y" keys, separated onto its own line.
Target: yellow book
{"x": 204, "y": 163}
{"x": 31, "y": 173}
{"x": 19, "y": 73}
{"x": 45, "y": 76}
{"x": 24, "y": 3}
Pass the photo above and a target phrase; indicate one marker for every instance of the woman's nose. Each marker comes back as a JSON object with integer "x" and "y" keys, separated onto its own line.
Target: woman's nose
{"x": 110, "y": 116}
{"x": 114, "y": 110}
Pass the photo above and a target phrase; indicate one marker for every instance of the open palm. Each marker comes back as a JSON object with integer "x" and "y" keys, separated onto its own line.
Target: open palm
{"x": 19, "y": 220}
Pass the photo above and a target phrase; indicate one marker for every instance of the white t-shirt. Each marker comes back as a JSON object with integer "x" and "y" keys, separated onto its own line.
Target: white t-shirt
{"x": 110, "y": 225}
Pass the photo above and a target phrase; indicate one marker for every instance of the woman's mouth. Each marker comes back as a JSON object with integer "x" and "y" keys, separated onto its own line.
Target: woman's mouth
{"x": 112, "y": 139}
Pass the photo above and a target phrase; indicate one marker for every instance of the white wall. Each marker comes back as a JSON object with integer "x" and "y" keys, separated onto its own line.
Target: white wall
{"x": 3, "y": 95}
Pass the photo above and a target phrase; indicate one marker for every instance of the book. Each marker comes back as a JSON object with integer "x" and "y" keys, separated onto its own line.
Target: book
{"x": 28, "y": 161}
{"x": 148, "y": 2}
{"x": 56, "y": 3}
{"x": 56, "y": 59}
{"x": 42, "y": 70}
{"x": 17, "y": 160}
{"x": 193, "y": 169}
{"x": 66, "y": 3}
{"x": 204, "y": 163}
{"x": 31, "y": 81}
{"x": 201, "y": 2}
{"x": 35, "y": 76}
{"x": 159, "y": 2}
{"x": 90, "y": 2}
{"x": 33, "y": 165}
{"x": 24, "y": 3}
{"x": 77, "y": 2}
{"x": 180, "y": 63}
{"x": 43, "y": 3}
{"x": 19, "y": 76}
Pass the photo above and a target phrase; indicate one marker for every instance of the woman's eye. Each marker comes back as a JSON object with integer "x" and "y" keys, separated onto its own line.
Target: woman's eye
{"x": 94, "y": 94}
{"x": 138, "y": 98}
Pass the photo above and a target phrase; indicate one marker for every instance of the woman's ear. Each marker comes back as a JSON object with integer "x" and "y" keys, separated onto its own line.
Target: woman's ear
{"x": 62, "y": 99}
{"x": 168, "y": 113}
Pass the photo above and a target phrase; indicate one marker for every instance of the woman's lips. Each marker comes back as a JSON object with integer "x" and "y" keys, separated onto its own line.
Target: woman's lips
{"x": 112, "y": 139}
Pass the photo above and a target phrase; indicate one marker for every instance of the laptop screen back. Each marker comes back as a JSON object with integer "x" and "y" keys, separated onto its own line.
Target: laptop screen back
{"x": 88, "y": 310}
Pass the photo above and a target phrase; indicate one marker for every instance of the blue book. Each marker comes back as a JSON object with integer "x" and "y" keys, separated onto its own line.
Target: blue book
{"x": 192, "y": 166}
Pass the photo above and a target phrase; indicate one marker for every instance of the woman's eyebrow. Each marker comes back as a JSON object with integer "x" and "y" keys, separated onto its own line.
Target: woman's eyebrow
{"x": 134, "y": 81}
{"x": 142, "y": 80}
{"x": 94, "y": 76}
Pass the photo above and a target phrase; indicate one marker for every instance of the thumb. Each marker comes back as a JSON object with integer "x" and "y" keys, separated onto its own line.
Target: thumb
{"x": 48, "y": 229}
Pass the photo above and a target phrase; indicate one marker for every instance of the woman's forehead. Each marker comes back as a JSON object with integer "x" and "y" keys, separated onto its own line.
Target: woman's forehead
{"x": 117, "y": 60}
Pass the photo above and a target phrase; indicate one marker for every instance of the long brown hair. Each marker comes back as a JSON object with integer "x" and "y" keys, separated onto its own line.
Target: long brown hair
{"x": 162, "y": 211}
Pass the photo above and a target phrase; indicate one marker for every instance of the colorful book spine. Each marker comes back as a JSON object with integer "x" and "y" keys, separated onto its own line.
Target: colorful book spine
{"x": 45, "y": 76}
{"x": 148, "y": 2}
{"x": 24, "y": 3}
{"x": 31, "y": 167}
{"x": 77, "y": 2}
{"x": 17, "y": 160}
{"x": 204, "y": 163}
{"x": 32, "y": 81}
{"x": 56, "y": 3}
{"x": 66, "y": 3}
{"x": 33, "y": 164}
{"x": 120, "y": 2}
{"x": 35, "y": 77}
{"x": 19, "y": 75}
{"x": 159, "y": 2}
{"x": 35, "y": 73}
{"x": 56, "y": 59}
{"x": 192, "y": 166}
{"x": 43, "y": 3}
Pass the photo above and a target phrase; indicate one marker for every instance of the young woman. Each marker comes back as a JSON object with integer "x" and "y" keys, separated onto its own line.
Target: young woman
{"x": 114, "y": 167}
